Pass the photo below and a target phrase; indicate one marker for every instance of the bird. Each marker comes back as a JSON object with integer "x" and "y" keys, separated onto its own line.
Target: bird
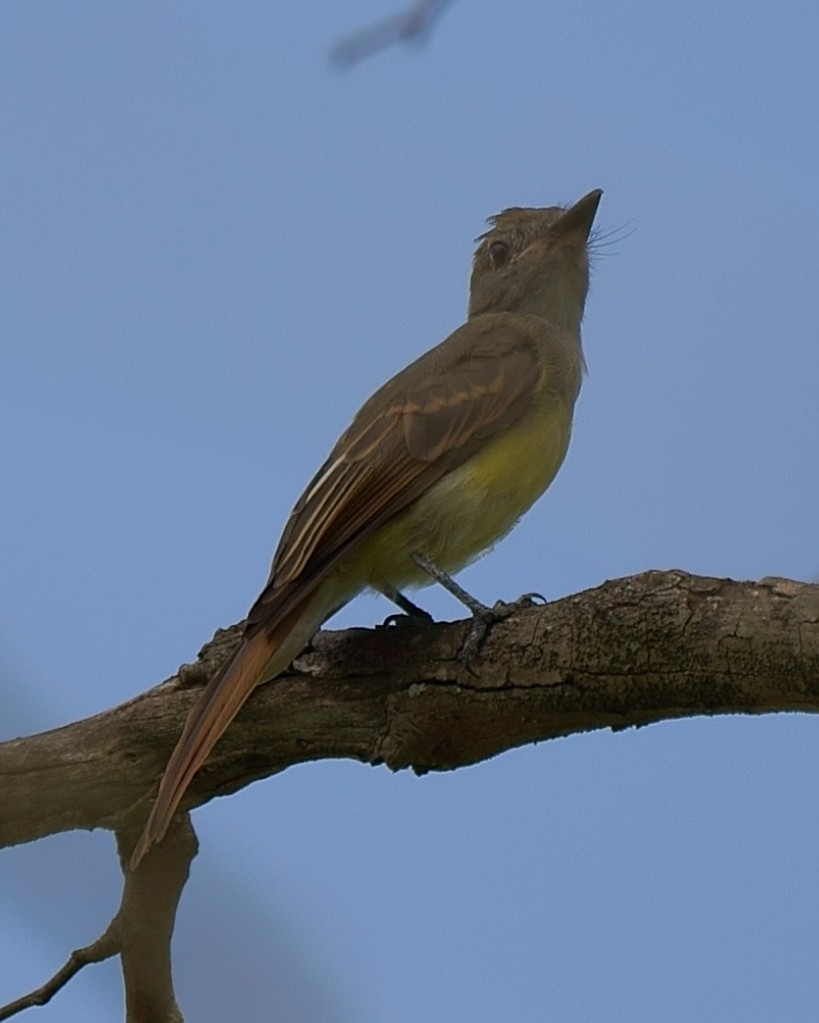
{"x": 436, "y": 466}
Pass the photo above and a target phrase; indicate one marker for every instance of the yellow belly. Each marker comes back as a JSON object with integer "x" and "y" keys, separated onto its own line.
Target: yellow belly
{"x": 472, "y": 507}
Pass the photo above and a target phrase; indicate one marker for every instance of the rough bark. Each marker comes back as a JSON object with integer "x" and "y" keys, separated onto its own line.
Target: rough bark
{"x": 646, "y": 648}
{"x": 650, "y": 647}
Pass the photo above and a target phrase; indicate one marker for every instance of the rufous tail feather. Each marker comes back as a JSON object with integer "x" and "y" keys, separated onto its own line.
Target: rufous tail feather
{"x": 219, "y": 704}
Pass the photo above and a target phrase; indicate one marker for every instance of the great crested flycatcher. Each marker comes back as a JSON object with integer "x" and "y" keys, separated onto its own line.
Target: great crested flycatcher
{"x": 436, "y": 467}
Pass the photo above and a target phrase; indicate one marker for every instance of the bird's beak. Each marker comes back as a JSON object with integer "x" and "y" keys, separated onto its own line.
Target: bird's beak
{"x": 578, "y": 219}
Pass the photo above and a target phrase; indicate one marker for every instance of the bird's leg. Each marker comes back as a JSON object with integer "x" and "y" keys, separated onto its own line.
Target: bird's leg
{"x": 478, "y": 609}
{"x": 483, "y": 617}
{"x": 411, "y": 610}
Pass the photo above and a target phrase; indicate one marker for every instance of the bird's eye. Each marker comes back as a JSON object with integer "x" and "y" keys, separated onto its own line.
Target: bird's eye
{"x": 498, "y": 255}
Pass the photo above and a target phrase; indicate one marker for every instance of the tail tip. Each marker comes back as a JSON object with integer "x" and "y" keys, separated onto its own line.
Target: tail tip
{"x": 146, "y": 840}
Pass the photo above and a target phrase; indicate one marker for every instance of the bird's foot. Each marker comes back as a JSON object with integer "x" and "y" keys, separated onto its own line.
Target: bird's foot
{"x": 411, "y": 614}
{"x": 483, "y": 618}
{"x": 403, "y": 620}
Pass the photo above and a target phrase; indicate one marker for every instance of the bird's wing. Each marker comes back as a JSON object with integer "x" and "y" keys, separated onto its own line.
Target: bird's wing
{"x": 408, "y": 435}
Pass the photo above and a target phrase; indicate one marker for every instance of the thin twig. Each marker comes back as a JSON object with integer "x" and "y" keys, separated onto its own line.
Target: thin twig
{"x": 98, "y": 951}
{"x": 411, "y": 25}
{"x": 140, "y": 932}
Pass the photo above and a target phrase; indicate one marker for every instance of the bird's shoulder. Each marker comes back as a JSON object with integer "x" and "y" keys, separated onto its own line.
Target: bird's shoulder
{"x": 483, "y": 346}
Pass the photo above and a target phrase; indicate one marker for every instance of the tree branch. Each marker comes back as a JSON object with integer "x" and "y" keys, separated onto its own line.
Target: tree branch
{"x": 646, "y": 648}
{"x": 146, "y": 918}
{"x": 650, "y": 647}
{"x": 97, "y": 952}
{"x": 140, "y": 932}
{"x": 411, "y": 25}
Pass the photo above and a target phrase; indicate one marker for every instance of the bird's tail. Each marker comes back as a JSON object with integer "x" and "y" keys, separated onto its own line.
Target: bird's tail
{"x": 263, "y": 655}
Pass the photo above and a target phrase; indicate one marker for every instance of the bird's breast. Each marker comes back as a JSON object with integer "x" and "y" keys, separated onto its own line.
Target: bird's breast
{"x": 470, "y": 508}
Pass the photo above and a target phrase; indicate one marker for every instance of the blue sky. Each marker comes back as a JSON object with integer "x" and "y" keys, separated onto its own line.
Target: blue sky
{"x": 214, "y": 246}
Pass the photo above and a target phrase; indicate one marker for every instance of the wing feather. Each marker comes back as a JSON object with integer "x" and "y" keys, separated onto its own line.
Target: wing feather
{"x": 407, "y": 436}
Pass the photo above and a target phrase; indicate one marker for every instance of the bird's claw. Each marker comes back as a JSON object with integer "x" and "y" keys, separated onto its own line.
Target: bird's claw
{"x": 483, "y": 618}
{"x": 401, "y": 620}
